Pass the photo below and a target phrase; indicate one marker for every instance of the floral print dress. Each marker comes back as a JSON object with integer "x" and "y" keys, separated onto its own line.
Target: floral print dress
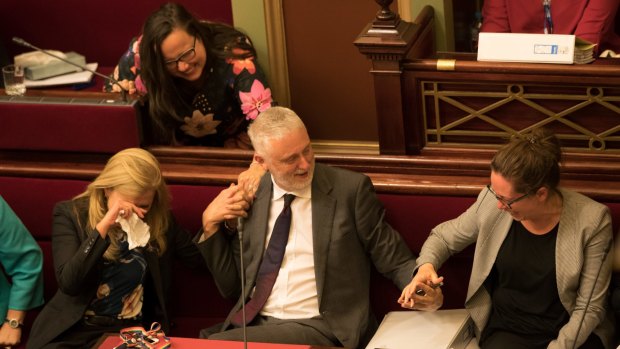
{"x": 234, "y": 93}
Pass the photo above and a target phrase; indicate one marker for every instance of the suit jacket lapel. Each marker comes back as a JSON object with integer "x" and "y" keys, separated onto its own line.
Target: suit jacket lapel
{"x": 256, "y": 229}
{"x": 490, "y": 240}
{"x": 323, "y": 209}
{"x": 493, "y": 238}
{"x": 566, "y": 245}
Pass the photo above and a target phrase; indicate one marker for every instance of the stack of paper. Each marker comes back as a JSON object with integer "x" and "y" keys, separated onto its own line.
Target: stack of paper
{"x": 42, "y": 64}
{"x": 584, "y": 51}
{"x": 81, "y": 77}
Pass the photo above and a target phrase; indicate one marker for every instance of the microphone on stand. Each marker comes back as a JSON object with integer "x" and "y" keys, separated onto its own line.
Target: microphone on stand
{"x": 240, "y": 227}
{"x": 592, "y": 291}
{"x": 24, "y": 43}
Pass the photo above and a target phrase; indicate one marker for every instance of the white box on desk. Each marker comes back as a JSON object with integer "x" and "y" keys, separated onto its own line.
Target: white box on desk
{"x": 442, "y": 329}
{"x": 528, "y": 48}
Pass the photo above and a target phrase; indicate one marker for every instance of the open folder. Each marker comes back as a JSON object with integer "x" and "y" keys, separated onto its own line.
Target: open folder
{"x": 442, "y": 329}
{"x": 534, "y": 48}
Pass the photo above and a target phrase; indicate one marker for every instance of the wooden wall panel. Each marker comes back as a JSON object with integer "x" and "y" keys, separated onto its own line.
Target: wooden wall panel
{"x": 331, "y": 87}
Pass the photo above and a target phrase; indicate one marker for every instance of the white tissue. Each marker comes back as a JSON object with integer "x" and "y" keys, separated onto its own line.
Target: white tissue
{"x": 138, "y": 232}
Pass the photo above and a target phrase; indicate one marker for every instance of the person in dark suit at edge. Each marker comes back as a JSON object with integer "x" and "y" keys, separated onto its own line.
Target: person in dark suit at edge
{"x": 321, "y": 292}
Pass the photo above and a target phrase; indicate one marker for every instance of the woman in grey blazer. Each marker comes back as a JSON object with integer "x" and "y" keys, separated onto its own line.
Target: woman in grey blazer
{"x": 541, "y": 267}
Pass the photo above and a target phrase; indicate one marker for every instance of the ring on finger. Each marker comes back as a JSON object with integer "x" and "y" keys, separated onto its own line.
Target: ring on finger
{"x": 121, "y": 212}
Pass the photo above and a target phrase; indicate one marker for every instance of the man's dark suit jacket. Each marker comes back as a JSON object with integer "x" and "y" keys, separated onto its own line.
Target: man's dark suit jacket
{"x": 349, "y": 233}
{"x": 78, "y": 261}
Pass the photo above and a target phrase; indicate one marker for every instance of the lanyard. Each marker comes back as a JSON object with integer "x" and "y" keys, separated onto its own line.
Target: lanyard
{"x": 548, "y": 20}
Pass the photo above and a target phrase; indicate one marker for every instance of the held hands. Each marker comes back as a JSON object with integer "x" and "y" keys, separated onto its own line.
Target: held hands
{"x": 424, "y": 291}
{"x": 231, "y": 203}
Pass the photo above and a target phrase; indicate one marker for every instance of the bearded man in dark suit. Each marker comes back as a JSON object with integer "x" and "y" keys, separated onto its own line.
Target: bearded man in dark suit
{"x": 338, "y": 229}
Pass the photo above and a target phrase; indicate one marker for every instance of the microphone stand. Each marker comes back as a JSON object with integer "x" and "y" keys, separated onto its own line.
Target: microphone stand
{"x": 240, "y": 230}
{"x": 24, "y": 43}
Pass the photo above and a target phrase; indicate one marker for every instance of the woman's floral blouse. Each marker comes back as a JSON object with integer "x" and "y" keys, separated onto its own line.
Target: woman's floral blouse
{"x": 234, "y": 93}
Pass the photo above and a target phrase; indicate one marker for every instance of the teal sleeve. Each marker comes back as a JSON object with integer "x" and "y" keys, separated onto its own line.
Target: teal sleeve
{"x": 21, "y": 280}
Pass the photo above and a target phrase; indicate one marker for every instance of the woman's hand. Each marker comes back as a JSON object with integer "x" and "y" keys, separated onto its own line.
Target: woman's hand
{"x": 128, "y": 85}
{"x": 424, "y": 291}
{"x": 117, "y": 207}
{"x": 231, "y": 203}
{"x": 249, "y": 179}
{"x": 11, "y": 337}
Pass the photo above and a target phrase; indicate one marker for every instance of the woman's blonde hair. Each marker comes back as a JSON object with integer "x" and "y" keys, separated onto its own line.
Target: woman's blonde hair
{"x": 131, "y": 172}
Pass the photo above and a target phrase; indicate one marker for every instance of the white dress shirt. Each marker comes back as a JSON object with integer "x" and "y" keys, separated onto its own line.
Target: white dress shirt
{"x": 294, "y": 294}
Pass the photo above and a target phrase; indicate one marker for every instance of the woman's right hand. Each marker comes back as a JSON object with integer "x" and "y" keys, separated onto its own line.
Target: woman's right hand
{"x": 117, "y": 208}
{"x": 127, "y": 85}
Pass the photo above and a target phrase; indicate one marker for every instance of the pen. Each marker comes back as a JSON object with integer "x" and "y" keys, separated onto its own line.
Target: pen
{"x": 420, "y": 292}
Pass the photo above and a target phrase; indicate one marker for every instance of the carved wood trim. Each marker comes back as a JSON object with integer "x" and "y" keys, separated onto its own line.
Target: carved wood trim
{"x": 450, "y": 172}
{"x": 387, "y": 44}
{"x": 276, "y": 43}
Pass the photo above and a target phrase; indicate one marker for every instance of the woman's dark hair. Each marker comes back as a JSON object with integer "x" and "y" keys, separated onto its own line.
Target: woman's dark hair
{"x": 170, "y": 98}
{"x": 531, "y": 161}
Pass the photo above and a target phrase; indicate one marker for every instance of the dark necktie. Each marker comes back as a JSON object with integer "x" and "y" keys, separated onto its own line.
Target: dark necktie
{"x": 270, "y": 265}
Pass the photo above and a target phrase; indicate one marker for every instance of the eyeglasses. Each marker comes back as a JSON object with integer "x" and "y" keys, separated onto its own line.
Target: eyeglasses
{"x": 183, "y": 57}
{"x": 507, "y": 203}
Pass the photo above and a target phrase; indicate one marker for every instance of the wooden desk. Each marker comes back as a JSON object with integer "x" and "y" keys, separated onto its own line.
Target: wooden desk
{"x": 67, "y": 94}
{"x": 450, "y": 100}
{"x": 453, "y": 112}
{"x": 110, "y": 340}
{"x": 56, "y": 120}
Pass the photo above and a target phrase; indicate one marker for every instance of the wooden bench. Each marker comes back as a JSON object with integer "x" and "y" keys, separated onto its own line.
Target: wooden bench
{"x": 414, "y": 206}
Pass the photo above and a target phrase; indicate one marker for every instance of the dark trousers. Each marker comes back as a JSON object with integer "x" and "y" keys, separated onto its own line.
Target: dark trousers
{"x": 508, "y": 340}
{"x": 271, "y": 330}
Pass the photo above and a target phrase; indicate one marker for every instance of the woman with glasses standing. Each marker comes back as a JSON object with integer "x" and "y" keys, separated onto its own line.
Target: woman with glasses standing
{"x": 541, "y": 266}
{"x": 201, "y": 79}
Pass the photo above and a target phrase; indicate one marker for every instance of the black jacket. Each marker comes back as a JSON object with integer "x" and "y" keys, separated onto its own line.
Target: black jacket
{"x": 78, "y": 262}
